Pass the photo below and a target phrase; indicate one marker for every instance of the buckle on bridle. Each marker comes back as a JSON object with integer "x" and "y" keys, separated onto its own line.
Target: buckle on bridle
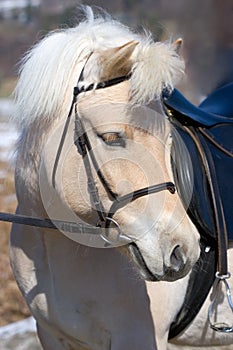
{"x": 119, "y": 237}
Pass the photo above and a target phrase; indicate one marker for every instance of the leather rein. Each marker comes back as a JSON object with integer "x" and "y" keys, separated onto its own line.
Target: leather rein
{"x": 84, "y": 148}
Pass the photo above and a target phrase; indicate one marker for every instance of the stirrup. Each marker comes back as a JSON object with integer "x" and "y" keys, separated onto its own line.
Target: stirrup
{"x": 220, "y": 326}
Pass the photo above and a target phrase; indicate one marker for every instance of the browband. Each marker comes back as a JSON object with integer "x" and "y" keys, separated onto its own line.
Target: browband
{"x": 101, "y": 85}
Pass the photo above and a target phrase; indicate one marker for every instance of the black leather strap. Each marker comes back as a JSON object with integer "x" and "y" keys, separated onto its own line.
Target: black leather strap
{"x": 101, "y": 85}
{"x": 200, "y": 282}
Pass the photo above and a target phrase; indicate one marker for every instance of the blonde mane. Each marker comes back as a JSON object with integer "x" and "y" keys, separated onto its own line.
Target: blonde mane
{"x": 51, "y": 68}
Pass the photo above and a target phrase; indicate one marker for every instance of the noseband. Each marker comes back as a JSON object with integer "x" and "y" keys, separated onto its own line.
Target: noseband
{"x": 84, "y": 148}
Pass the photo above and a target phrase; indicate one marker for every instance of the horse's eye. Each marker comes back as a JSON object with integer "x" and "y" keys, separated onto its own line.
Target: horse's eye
{"x": 113, "y": 139}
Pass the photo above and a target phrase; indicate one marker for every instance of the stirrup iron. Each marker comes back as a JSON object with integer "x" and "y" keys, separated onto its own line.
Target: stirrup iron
{"x": 222, "y": 327}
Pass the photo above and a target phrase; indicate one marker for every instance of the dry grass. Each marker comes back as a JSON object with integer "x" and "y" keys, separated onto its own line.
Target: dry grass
{"x": 12, "y": 305}
{"x": 7, "y": 86}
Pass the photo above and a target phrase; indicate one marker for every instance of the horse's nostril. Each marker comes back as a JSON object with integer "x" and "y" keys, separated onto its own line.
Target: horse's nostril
{"x": 177, "y": 258}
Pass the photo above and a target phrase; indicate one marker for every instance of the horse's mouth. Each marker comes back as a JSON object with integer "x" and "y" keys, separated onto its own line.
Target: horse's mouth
{"x": 169, "y": 275}
{"x": 141, "y": 264}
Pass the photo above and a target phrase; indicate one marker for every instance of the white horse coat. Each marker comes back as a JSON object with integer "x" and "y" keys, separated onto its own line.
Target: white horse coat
{"x": 84, "y": 297}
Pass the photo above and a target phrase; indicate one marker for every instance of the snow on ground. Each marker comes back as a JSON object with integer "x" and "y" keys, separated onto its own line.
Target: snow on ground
{"x": 20, "y": 335}
{"x": 17, "y": 328}
{"x": 8, "y": 137}
{"x": 8, "y": 132}
{"x": 6, "y": 107}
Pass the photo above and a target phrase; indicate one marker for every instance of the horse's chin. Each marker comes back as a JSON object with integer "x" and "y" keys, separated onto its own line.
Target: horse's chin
{"x": 141, "y": 264}
{"x": 145, "y": 272}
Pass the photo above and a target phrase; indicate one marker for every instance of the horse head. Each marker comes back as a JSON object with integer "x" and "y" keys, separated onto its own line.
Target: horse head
{"x": 117, "y": 74}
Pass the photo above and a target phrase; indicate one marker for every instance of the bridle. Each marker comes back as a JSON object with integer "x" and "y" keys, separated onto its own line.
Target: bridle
{"x": 84, "y": 148}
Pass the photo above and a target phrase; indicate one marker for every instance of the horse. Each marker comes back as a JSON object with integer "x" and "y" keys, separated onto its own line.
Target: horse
{"x": 110, "y": 265}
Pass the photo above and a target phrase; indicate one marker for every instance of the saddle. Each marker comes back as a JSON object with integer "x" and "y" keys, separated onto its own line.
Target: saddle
{"x": 206, "y": 132}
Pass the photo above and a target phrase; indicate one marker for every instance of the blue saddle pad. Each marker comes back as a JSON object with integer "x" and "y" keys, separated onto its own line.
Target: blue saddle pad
{"x": 215, "y": 109}
{"x": 218, "y": 138}
{"x": 212, "y": 125}
{"x": 220, "y": 102}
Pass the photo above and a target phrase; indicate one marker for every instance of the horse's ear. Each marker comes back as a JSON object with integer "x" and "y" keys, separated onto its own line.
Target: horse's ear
{"x": 177, "y": 45}
{"x": 116, "y": 61}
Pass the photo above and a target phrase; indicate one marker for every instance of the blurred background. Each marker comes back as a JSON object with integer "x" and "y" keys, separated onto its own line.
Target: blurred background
{"x": 205, "y": 26}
